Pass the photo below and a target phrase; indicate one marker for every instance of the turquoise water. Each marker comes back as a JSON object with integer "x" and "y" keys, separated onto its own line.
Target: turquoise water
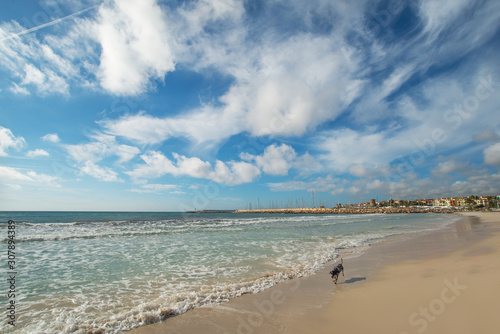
{"x": 84, "y": 271}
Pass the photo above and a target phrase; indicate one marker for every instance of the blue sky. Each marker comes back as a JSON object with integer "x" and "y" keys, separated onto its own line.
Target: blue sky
{"x": 175, "y": 105}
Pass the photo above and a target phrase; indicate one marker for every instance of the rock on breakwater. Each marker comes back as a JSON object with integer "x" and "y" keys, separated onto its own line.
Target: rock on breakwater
{"x": 351, "y": 210}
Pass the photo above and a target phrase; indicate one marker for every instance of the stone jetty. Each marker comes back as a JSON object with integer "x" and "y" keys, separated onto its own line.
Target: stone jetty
{"x": 352, "y": 210}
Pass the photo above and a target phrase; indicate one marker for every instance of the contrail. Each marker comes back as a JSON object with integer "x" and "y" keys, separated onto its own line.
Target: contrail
{"x": 48, "y": 24}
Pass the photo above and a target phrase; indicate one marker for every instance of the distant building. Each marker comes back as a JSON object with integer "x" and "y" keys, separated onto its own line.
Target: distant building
{"x": 372, "y": 202}
{"x": 482, "y": 201}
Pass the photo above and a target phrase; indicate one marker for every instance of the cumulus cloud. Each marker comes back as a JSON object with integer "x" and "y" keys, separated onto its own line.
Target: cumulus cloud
{"x": 289, "y": 93}
{"x": 37, "y": 153}
{"x": 492, "y": 154}
{"x": 486, "y": 135}
{"x": 135, "y": 41}
{"x": 486, "y": 184}
{"x": 276, "y": 160}
{"x": 51, "y": 138}
{"x": 9, "y": 141}
{"x": 157, "y": 165}
{"x": 448, "y": 167}
{"x": 361, "y": 170}
{"x": 141, "y": 128}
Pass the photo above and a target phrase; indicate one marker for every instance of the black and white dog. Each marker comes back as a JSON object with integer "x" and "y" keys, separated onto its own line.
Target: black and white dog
{"x": 337, "y": 270}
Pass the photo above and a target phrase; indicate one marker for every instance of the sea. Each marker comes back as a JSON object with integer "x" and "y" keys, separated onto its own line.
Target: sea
{"x": 106, "y": 272}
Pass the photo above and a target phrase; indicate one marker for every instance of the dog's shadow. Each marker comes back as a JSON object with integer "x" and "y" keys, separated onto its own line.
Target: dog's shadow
{"x": 354, "y": 280}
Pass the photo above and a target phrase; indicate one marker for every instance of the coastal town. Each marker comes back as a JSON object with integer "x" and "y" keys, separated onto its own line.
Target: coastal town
{"x": 471, "y": 202}
{"x": 441, "y": 205}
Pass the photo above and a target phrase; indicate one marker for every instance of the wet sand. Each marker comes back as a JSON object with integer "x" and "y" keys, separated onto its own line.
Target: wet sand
{"x": 446, "y": 281}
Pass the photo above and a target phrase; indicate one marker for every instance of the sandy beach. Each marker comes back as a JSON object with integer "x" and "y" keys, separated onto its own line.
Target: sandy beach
{"x": 447, "y": 281}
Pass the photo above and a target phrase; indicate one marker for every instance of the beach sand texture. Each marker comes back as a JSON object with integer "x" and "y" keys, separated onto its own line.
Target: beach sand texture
{"x": 446, "y": 281}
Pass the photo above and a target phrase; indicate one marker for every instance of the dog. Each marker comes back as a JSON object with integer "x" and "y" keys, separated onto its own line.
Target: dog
{"x": 337, "y": 270}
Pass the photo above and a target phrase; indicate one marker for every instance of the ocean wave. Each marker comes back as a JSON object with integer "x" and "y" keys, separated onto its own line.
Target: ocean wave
{"x": 182, "y": 272}
{"x": 37, "y": 238}
{"x": 161, "y": 309}
{"x": 182, "y": 301}
{"x": 131, "y": 228}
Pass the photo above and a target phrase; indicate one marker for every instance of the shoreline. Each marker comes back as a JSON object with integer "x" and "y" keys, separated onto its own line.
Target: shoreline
{"x": 307, "y": 304}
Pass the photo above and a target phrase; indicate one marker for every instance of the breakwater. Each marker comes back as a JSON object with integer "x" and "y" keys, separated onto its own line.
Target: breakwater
{"x": 351, "y": 210}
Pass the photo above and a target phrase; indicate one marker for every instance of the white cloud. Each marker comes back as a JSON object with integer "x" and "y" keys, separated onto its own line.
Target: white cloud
{"x": 415, "y": 132}
{"x": 205, "y": 126}
{"x": 157, "y": 188}
{"x": 438, "y": 13}
{"x": 105, "y": 174}
{"x": 482, "y": 184}
{"x": 51, "y": 138}
{"x": 13, "y": 176}
{"x": 135, "y": 42}
{"x": 160, "y": 187}
{"x": 486, "y": 135}
{"x": 103, "y": 146}
{"x": 448, "y": 167}
{"x": 199, "y": 13}
{"x": 237, "y": 173}
{"x": 178, "y": 192}
{"x": 492, "y": 154}
{"x": 276, "y": 160}
{"x": 81, "y": 153}
{"x": 33, "y": 75}
{"x": 141, "y": 37}
{"x": 293, "y": 86}
{"x": 37, "y": 153}
{"x": 8, "y": 174}
{"x": 9, "y": 141}
{"x": 141, "y": 128}
{"x": 282, "y": 87}
{"x": 60, "y": 64}
{"x": 49, "y": 65}
{"x": 363, "y": 169}
{"x": 346, "y": 147}
{"x": 42, "y": 178}
{"x": 157, "y": 165}
{"x": 45, "y": 82}
{"x": 16, "y": 89}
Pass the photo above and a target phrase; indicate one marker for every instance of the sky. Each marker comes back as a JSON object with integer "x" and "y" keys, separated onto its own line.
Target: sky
{"x": 218, "y": 104}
